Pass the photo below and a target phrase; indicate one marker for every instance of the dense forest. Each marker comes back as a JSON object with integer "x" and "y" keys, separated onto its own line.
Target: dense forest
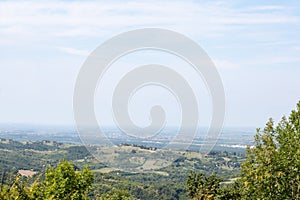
{"x": 269, "y": 170}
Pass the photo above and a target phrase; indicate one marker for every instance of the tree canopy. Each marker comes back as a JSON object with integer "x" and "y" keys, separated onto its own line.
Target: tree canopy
{"x": 60, "y": 182}
{"x": 271, "y": 170}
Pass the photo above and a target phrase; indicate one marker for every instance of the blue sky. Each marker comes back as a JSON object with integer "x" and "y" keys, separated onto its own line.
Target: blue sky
{"x": 254, "y": 44}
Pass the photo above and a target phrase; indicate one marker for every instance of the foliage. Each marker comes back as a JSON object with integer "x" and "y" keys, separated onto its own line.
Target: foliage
{"x": 60, "y": 182}
{"x": 201, "y": 187}
{"x": 63, "y": 182}
{"x": 116, "y": 194}
{"x": 166, "y": 183}
{"x": 17, "y": 190}
{"x": 272, "y": 168}
{"x": 230, "y": 192}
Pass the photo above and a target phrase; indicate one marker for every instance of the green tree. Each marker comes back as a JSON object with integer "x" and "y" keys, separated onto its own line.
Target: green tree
{"x": 63, "y": 182}
{"x": 17, "y": 190}
{"x": 60, "y": 182}
{"x": 272, "y": 168}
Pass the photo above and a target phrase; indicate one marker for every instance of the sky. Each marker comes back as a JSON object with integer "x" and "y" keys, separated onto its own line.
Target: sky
{"x": 255, "y": 46}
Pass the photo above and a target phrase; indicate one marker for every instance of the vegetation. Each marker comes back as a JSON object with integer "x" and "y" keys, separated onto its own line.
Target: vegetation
{"x": 116, "y": 194}
{"x": 164, "y": 183}
{"x": 204, "y": 187}
{"x": 272, "y": 168}
{"x": 201, "y": 187}
{"x": 269, "y": 170}
{"x": 60, "y": 182}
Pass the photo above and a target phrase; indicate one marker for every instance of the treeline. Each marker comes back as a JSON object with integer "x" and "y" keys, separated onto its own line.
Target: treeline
{"x": 140, "y": 146}
{"x": 44, "y": 145}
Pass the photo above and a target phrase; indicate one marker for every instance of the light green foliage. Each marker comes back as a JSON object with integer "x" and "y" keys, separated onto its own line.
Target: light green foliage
{"x": 270, "y": 172}
{"x": 272, "y": 168}
{"x": 17, "y": 190}
{"x": 60, "y": 182}
{"x": 63, "y": 182}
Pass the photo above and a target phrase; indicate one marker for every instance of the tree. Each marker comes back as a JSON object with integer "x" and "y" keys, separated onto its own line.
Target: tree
{"x": 272, "y": 167}
{"x": 60, "y": 182}
{"x": 17, "y": 190}
{"x": 63, "y": 182}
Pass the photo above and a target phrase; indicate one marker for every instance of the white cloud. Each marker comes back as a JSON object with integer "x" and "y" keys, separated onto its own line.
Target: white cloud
{"x": 270, "y": 8}
{"x": 74, "y": 51}
{"x": 91, "y": 18}
{"x": 273, "y": 60}
{"x": 225, "y": 64}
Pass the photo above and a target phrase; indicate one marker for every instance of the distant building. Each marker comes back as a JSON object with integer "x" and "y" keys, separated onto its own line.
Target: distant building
{"x": 27, "y": 173}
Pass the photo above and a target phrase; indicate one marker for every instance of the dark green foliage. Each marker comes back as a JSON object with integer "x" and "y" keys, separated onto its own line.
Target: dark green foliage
{"x": 210, "y": 187}
{"x": 36, "y": 155}
{"x": 230, "y": 192}
{"x": 201, "y": 187}
{"x": 142, "y": 186}
{"x": 116, "y": 194}
{"x": 76, "y": 152}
